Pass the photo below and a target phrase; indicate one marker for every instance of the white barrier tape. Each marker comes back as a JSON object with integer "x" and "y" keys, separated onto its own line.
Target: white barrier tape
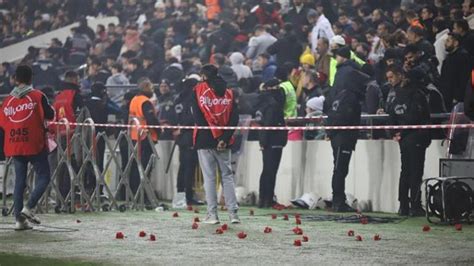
{"x": 390, "y": 127}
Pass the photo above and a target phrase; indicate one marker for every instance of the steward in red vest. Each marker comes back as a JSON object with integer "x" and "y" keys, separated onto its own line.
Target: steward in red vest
{"x": 22, "y": 118}
{"x": 67, "y": 102}
{"x": 214, "y": 106}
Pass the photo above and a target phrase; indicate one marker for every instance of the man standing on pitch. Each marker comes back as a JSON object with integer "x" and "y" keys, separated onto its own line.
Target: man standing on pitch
{"x": 214, "y": 106}
{"x": 23, "y": 119}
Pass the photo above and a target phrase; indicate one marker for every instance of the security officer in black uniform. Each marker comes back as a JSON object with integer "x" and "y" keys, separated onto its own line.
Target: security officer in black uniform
{"x": 188, "y": 158}
{"x": 410, "y": 107}
{"x": 343, "y": 108}
{"x": 166, "y": 108}
{"x": 270, "y": 112}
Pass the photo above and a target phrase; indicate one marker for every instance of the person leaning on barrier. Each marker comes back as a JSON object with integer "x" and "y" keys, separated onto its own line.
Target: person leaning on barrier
{"x": 344, "y": 109}
{"x": 410, "y": 107}
{"x": 270, "y": 113}
{"x": 142, "y": 109}
{"x": 214, "y": 105}
{"x": 67, "y": 105}
{"x": 23, "y": 117}
{"x": 166, "y": 111}
{"x": 188, "y": 158}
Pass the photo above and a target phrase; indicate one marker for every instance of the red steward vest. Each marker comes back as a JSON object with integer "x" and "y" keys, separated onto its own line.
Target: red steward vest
{"x": 63, "y": 105}
{"x": 216, "y": 110}
{"x": 24, "y": 126}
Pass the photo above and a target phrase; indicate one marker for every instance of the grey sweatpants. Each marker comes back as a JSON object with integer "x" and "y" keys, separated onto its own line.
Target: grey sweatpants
{"x": 209, "y": 160}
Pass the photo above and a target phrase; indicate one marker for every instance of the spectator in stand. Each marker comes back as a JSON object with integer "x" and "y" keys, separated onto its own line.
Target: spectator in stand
{"x": 118, "y": 77}
{"x": 268, "y": 67}
{"x": 321, "y": 27}
{"x": 287, "y": 48}
{"x": 242, "y": 71}
{"x": 467, "y": 36}
{"x": 260, "y": 42}
{"x": 455, "y": 72}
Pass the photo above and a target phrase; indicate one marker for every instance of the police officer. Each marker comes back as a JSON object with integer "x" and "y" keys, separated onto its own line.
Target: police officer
{"x": 166, "y": 110}
{"x": 344, "y": 109}
{"x": 410, "y": 107}
{"x": 142, "y": 109}
{"x": 270, "y": 112}
{"x": 188, "y": 158}
{"x": 22, "y": 118}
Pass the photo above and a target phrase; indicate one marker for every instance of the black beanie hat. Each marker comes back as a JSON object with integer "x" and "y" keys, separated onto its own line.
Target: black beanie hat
{"x": 344, "y": 52}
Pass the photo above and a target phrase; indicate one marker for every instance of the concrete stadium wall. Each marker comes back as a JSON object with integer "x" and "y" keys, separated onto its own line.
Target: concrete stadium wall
{"x": 17, "y": 51}
{"x": 307, "y": 167}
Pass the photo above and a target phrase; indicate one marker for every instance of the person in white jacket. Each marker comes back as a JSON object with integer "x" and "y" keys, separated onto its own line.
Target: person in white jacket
{"x": 440, "y": 27}
{"x": 321, "y": 28}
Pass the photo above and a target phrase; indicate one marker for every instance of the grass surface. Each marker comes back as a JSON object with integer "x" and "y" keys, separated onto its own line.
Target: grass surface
{"x": 177, "y": 243}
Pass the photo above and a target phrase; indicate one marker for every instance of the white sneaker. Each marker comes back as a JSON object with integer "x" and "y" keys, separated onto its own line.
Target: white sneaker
{"x": 234, "y": 218}
{"x": 22, "y": 226}
{"x": 211, "y": 219}
{"x": 28, "y": 214}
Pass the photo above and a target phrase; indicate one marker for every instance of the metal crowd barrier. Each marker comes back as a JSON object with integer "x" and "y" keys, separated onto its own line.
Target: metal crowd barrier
{"x": 80, "y": 162}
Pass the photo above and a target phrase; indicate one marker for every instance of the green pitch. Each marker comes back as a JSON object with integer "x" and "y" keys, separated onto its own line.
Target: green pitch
{"x": 95, "y": 241}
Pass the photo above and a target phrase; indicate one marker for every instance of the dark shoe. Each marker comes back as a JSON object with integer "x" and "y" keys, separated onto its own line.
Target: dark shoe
{"x": 417, "y": 212}
{"x": 403, "y": 212}
{"x": 343, "y": 208}
{"x": 195, "y": 202}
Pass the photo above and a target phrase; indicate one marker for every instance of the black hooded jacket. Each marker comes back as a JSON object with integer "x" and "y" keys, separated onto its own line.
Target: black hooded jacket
{"x": 343, "y": 105}
{"x": 410, "y": 107}
{"x": 270, "y": 112}
{"x": 204, "y": 138}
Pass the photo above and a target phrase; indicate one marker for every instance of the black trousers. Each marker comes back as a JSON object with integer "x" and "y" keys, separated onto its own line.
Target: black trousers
{"x": 90, "y": 181}
{"x": 413, "y": 163}
{"x": 342, "y": 153}
{"x": 271, "y": 163}
{"x": 146, "y": 152}
{"x": 188, "y": 160}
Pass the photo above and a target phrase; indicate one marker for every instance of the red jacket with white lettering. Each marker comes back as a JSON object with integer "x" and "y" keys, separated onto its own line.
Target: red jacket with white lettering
{"x": 216, "y": 110}
{"x": 24, "y": 125}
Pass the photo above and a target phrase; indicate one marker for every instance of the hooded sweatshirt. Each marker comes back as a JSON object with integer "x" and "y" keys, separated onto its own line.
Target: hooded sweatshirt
{"x": 242, "y": 71}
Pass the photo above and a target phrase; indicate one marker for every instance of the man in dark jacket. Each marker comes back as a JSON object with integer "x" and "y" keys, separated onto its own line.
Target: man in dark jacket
{"x": 410, "y": 107}
{"x": 344, "y": 109}
{"x": 271, "y": 103}
{"x": 214, "y": 105}
{"x": 288, "y": 48}
{"x": 297, "y": 16}
{"x": 226, "y": 71}
{"x": 455, "y": 71}
{"x": 166, "y": 110}
{"x": 188, "y": 158}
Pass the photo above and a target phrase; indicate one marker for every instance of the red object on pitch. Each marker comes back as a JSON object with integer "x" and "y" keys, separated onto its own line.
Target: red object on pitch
{"x": 119, "y": 235}
{"x": 298, "y": 231}
{"x": 298, "y": 221}
{"x": 175, "y": 215}
{"x": 377, "y": 237}
{"x": 142, "y": 234}
{"x": 426, "y": 228}
{"x": 285, "y": 217}
{"x": 224, "y": 227}
{"x": 196, "y": 219}
{"x": 297, "y": 243}
{"x": 196, "y": 210}
{"x": 350, "y": 233}
{"x": 458, "y": 227}
{"x": 219, "y": 231}
{"x": 297, "y": 216}
{"x": 195, "y": 226}
{"x": 190, "y": 208}
{"x": 242, "y": 235}
{"x": 152, "y": 237}
{"x": 305, "y": 238}
{"x": 274, "y": 216}
{"x": 364, "y": 220}
{"x": 358, "y": 238}
{"x": 251, "y": 213}
{"x": 267, "y": 230}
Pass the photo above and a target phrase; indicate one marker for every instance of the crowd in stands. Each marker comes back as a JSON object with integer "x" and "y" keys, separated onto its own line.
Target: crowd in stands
{"x": 252, "y": 42}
